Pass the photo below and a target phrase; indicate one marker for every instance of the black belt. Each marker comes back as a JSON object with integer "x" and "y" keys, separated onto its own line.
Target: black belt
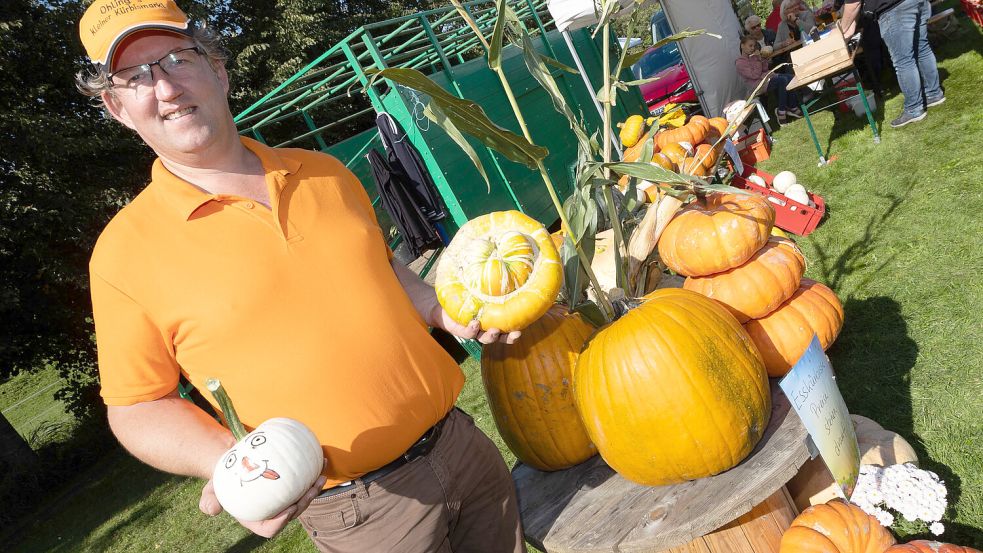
{"x": 420, "y": 448}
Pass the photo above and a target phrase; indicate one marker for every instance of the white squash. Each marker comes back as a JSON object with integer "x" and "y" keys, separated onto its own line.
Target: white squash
{"x": 268, "y": 469}
{"x": 783, "y": 180}
{"x": 758, "y": 180}
{"x": 798, "y": 193}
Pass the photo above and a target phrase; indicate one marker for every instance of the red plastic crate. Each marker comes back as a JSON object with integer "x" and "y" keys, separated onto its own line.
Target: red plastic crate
{"x": 974, "y": 11}
{"x": 790, "y": 215}
{"x": 754, "y": 147}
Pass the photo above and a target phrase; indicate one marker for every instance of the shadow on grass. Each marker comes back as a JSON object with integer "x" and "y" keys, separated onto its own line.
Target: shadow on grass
{"x": 858, "y": 255}
{"x": 874, "y": 357}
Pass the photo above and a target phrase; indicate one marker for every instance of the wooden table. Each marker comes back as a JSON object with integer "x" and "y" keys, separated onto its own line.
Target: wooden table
{"x": 787, "y": 48}
{"x": 842, "y": 67}
{"x": 591, "y": 509}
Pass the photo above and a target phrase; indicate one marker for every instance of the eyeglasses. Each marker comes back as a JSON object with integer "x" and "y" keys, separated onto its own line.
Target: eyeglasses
{"x": 758, "y": 26}
{"x": 140, "y": 78}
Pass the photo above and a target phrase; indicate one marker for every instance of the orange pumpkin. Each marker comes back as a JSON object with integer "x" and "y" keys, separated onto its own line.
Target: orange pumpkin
{"x": 692, "y": 166}
{"x": 706, "y": 153}
{"x": 759, "y": 286}
{"x": 673, "y": 390}
{"x": 925, "y": 546}
{"x": 674, "y": 152}
{"x": 783, "y": 335}
{"x": 501, "y": 269}
{"x": 720, "y": 124}
{"x": 693, "y": 134}
{"x": 719, "y": 234}
{"x": 702, "y": 122}
{"x": 529, "y": 391}
{"x": 662, "y": 160}
{"x": 835, "y": 527}
{"x": 633, "y": 153}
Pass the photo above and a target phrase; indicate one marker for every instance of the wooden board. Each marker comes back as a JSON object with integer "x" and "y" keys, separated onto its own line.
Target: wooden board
{"x": 591, "y": 509}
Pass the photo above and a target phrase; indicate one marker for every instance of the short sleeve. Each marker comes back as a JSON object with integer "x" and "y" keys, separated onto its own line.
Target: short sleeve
{"x": 135, "y": 362}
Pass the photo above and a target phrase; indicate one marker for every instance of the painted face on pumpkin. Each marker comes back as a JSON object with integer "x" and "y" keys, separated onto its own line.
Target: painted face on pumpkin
{"x": 248, "y": 462}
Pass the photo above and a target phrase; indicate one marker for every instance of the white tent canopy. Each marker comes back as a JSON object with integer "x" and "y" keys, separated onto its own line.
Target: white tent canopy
{"x": 709, "y": 61}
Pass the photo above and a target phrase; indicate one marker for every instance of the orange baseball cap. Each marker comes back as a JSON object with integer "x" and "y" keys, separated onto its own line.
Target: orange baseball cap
{"x": 106, "y": 23}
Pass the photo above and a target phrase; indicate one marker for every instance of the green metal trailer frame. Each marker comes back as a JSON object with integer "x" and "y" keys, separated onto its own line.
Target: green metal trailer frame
{"x": 303, "y": 110}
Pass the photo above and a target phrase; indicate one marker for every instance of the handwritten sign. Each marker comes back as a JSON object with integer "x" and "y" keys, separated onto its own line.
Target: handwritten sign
{"x": 811, "y": 388}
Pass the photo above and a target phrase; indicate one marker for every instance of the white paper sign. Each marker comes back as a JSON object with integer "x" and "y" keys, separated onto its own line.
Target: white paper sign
{"x": 811, "y": 388}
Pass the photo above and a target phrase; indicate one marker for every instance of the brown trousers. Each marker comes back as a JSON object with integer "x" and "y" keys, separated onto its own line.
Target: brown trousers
{"x": 459, "y": 498}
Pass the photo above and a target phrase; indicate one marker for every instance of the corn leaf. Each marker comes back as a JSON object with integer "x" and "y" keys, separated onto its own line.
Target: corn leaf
{"x": 651, "y": 172}
{"x": 608, "y": 9}
{"x": 435, "y": 114}
{"x": 539, "y": 71}
{"x": 633, "y": 56}
{"x": 495, "y": 48}
{"x": 467, "y": 116}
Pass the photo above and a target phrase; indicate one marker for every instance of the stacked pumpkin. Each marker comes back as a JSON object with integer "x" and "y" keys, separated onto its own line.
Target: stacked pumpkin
{"x": 723, "y": 245}
{"x": 691, "y": 149}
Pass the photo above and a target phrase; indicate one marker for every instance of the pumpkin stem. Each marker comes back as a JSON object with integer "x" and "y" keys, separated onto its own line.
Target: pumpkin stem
{"x": 214, "y": 386}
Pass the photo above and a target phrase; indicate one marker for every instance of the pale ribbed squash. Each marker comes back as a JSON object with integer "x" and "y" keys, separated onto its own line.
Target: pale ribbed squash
{"x": 759, "y": 286}
{"x": 530, "y": 394}
{"x": 672, "y": 391}
{"x": 501, "y": 269}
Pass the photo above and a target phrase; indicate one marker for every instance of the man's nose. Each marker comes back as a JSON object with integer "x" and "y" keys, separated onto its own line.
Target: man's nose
{"x": 165, "y": 87}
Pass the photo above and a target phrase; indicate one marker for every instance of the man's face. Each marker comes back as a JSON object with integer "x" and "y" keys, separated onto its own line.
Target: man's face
{"x": 755, "y": 31}
{"x": 177, "y": 115}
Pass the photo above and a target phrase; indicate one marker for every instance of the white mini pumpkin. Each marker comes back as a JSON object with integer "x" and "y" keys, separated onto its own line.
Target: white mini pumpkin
{"x": 798, "y": 193}
{"x": 757, "y": 180}
{"x": 268, "y": 470}
{"x": 783, "y": 180}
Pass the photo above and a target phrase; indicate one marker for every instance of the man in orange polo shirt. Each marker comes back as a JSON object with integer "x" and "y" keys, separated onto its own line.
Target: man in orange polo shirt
{"x": 266, "y": 268}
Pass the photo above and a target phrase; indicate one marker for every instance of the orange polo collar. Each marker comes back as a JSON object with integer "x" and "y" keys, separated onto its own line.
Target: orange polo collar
{"x": 187, "y": 198}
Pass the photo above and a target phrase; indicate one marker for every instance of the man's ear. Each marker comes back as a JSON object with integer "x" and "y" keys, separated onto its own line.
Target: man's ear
{"x": 116, "y": 109}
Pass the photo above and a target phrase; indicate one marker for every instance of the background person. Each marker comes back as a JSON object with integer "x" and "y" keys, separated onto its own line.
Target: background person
{"x": 775, "y": 17}
{"x": 266, "y": 268}
{"x": 753, "y": 68}
{"x": 752, "y": 25}
{"x": 904, "y": 28}
{"x": 797, "y": 19}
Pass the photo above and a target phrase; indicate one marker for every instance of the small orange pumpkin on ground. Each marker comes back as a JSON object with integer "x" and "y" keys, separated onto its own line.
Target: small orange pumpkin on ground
{"x": 717, "y": 234}
{"x": 925, "y": 546}
{"x": 783, "y": 335}
{"x": 835, "y": 527}
{"x": 759, "y": 286}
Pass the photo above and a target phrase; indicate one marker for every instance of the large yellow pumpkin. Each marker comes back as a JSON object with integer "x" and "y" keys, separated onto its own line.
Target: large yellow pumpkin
{"x": 672, "y": 391}
{"x": 783, "y": 335}
{"x": 759, "y": 286}
{"x": 530, "y": 394}
{"x": 719, "y": 234}
{"x": 501, "y": 269}
{"x": 835, "y": 527}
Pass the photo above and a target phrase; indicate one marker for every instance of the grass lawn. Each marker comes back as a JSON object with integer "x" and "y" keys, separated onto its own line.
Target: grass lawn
{"x": 900, "y": 247}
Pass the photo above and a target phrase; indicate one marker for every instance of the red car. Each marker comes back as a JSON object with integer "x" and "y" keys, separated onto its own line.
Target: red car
{"x": 673, "y": 84}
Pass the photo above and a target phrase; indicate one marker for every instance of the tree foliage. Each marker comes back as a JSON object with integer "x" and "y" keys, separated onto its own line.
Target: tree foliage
{"x": 66, "y": 168}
